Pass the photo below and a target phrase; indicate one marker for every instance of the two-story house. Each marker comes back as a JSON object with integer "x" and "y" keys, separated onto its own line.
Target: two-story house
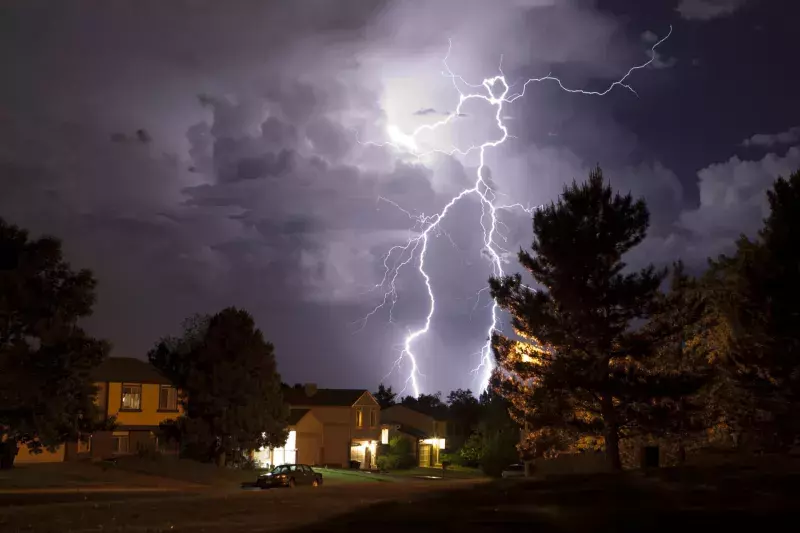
{"x": 328, "y": 427}
{"x": 138, "y": 397}
{"x": 426, "y": 433}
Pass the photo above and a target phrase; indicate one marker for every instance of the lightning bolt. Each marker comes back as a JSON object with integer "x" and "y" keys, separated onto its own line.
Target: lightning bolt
{"x": 496, "y": 92}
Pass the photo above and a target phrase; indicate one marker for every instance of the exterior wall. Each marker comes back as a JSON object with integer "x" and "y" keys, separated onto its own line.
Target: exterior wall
{"x": 571, "y": 463}
{"x": 102, "y": 445}
{"x": 368, "y": 431}
{"x": 24, "y": 456}
{"x": 336, "y": 444}
{"x": 149, "y": 415}
{"x": 309, "y": 440}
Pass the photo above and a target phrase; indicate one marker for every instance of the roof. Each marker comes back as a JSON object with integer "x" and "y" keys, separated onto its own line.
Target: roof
{"x": 128, "y": 370}
{"x": 323, "y": 397}
{"x": 414, "y": 432}
{"x": 296, "y": 415}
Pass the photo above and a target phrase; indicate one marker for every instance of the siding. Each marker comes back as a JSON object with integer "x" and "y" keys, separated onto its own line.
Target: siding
{"x": 149, "y": 414}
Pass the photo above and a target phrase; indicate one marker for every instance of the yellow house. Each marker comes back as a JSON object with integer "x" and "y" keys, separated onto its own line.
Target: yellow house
{"x": 138, "y": 396}
{"x": 328, "y": 427}
{"x": 426, "y": 433}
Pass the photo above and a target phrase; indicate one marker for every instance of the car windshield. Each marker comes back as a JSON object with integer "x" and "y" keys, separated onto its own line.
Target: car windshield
{"x": 281, "y": 469}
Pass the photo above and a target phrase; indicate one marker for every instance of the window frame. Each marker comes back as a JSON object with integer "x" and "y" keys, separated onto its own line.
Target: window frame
{"x": 359, "y": 417}
{"x": 373, "y": 418}
{"x": 167, "y": 409}
{"x": 116, "y": 439}
{"x": 122, "y": 397}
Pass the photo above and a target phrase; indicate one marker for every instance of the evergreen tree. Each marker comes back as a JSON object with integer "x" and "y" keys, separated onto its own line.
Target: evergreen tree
{"x": 593, "y": 377}
{"x": 754, "y": 297}
{"x": 46, "y": 360}
{"x": 231, "y": 389}
{"x": 385, "y": 396}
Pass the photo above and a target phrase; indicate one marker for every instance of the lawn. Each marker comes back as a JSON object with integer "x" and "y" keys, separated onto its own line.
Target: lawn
{"x": 452, "y": 472}
{"x": 69, "y": 475}
{"x": 337, "y": 475}
{"x": 718, "y": 499}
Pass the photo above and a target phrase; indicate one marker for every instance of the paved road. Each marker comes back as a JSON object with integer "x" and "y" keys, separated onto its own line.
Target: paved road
{"x": 233, "y": 510}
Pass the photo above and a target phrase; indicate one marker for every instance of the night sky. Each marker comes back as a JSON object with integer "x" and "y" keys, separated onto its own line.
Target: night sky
{"x": 200, "y": 154}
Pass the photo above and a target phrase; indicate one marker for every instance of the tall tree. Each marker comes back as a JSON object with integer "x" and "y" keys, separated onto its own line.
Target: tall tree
{"x": 385, "y": 397}
{"x": 430, "y": 404}
{"x": 754, "y": 296}
{"x": 231, "y": 389}
{"x": 591, "y": 378}
{"x": 465, "y": 413}
{"x": 46, "y": 390}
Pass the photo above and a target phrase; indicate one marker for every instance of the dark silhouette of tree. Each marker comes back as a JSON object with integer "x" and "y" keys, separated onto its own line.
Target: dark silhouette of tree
{"x": 231, "y": 389}
{"x": 46, "y": 360}
{"x": 465, "y": 413}
{"x": 385, "y": 397}
{"x": 582, "y": 364}
{"x": 430, "y": 404}
{"x": 754, "y": 297}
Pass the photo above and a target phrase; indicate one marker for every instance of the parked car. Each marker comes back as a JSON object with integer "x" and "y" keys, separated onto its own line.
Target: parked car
{"x": 289, "y": 476}
{"x": 514, "y": 471}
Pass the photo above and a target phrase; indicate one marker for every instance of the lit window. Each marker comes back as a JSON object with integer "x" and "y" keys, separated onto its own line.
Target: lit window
{"x": 385, "y": 436}
{"x": 168, "y": 398}
{"x": 373, "y": 418}
{"x": 359, "y": 418}
{"x": 131, "y": 397}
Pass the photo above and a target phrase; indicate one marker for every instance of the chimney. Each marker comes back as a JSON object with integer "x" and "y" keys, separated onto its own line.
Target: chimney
{"x": 311, "y": 389}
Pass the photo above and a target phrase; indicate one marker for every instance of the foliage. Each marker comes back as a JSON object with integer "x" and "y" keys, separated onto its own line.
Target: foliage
{"x": 582, "y": 366}
{"x": 430, "y": 404}
{"x": 399, "y": 456}
{"x": 385, "y": 396}
{"x": 46, "y": 359}
{"x": 464, "y": 415}
{"x": 230, "y": 386}
{"x": 755, "y": 325}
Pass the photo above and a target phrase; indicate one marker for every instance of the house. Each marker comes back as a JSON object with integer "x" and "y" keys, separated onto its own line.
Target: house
{"x": 328, "y": 427}
{"x": 138, "y": 396}
{"x": 426, "y": 433}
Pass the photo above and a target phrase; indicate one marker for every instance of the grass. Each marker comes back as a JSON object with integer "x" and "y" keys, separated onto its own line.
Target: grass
{"x": 708, "y": 498}
{"x": 185, "y": 470}
{"x": 67, "y": 475}
{"x": 336, "y": 476}
{"x": 452, "y": 472}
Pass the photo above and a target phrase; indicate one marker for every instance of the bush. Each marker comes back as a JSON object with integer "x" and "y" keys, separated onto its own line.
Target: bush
{"x": 388, "y": 462}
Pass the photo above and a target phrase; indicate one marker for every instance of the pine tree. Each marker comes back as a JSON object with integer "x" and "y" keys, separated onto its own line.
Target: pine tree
{"x": 583, "y": 364}
{"x": 754, "y": 297}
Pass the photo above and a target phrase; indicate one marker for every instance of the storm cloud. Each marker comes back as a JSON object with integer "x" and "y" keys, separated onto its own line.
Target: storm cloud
{"x": 252, "y": 182}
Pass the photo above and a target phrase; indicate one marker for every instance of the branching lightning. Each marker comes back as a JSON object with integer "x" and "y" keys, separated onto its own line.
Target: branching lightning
{"x": 496, "y": 92}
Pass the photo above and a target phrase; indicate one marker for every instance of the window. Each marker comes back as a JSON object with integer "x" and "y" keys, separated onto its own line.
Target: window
{"x": 373, "y": 418}
{"x": 359, "y": 418}
{"x": 85, "y": 444}
{"x": 131, "y": 397}
{"x": 385, "y": 436}
{"x": 168, "y": 398}
{"x": 121, "y": 443}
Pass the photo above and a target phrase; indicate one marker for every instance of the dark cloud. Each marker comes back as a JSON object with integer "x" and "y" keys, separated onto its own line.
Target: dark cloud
{"x": 708, "y": 9}
{"x": 263, "y": 191}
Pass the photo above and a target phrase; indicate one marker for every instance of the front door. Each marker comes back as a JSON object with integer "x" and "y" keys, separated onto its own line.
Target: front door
{"x": 368, "y": 458}
{"x": 424, "y": 455}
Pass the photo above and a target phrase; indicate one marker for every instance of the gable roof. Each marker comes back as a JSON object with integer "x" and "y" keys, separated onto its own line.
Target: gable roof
{"x": 296, "y": 415}
{"x": 128, "y": 370}
{"x": 322, "y": 397}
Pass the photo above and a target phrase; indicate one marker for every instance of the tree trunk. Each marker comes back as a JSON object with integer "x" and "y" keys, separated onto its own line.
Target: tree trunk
{"x": 221, "y": 458}
{"x": 611, "y": 434}
{"x": 681, "y": 454}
